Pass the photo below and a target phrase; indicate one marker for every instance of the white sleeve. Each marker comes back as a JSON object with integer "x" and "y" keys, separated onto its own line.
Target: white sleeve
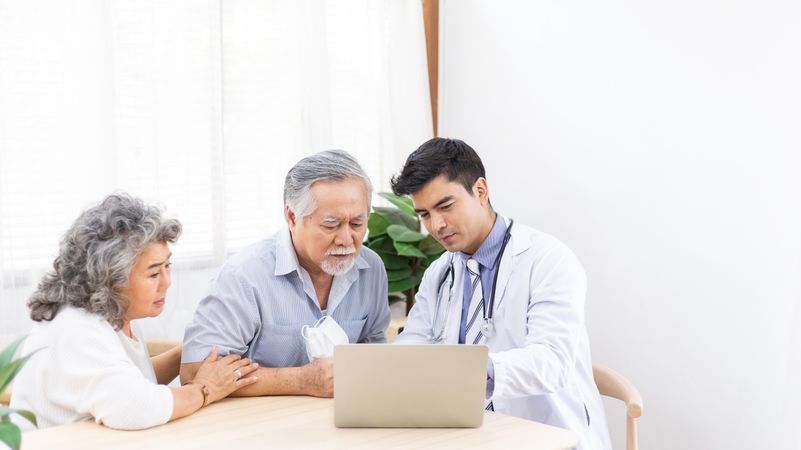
{"x": 555, "y": 323}
{"x": 95, "y": 376}
{"x": 379, "y": 317}
{"x": 418, "y": 324}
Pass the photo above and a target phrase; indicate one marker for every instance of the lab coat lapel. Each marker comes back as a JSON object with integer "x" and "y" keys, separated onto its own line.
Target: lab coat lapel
{"x": 455, "y": 312}
{"x": 517, "y": 245}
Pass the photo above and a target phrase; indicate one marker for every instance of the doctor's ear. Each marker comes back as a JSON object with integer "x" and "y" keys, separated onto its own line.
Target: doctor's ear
{"x": 481, "y": 190}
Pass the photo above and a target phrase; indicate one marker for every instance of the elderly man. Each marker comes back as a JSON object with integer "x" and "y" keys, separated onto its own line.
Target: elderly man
{"x": 314, "y": 267}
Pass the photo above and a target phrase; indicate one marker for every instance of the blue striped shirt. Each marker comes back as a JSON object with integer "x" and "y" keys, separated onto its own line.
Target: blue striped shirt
{"x": 262, "y": 297}
{"x": 486, "y": 255}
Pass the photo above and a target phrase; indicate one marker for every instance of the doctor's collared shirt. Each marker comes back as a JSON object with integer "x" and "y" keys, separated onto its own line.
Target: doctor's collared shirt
{"x": 486, "y": 256}
{"x": 260, "y": 300}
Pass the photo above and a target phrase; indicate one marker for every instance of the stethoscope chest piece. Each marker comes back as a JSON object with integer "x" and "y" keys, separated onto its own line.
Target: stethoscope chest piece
{"x": 487, "y": 324}
{"x": 488, "y": 328}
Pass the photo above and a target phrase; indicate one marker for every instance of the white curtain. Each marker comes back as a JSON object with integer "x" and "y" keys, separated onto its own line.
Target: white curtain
{"x": 200, "y": 106}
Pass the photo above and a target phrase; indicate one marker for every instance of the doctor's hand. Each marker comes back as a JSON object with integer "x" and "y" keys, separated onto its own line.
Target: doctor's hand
{"x": 318, "y": 378}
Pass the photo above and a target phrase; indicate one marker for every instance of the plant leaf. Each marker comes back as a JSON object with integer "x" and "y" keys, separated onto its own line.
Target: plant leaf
{"x": 400, "y": 233}
{"x": 8, "y": 352}
{"x": 406, "y": 249}
{"x": 377, "y": 225}
{"x": 400, "y": 274}
{"x": 382, "y": 245}
{"x": 7, "y": 373}
{"x": 401, "y": 285}
{"x": 10, "y": 435}
{"x": 29, "y": 416}
{"x": 396, "y": 216}
{"x": 394, "y": 262}
{"x": 431, "y": 246}
{"x": 424, "y": 263}
{"x": 403, "y": 203}
{"x": 6, "y": 411}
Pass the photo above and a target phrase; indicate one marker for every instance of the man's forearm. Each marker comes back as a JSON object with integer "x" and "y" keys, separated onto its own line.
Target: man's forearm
{"x": 272, "y": 381}
{"x": 286, "y": 381}
{"x": 315, "y": 379}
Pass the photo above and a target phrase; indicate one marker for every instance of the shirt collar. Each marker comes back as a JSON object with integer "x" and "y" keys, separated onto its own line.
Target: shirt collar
{"x": 286, "y": 260}
{"x": 488, "y": 251}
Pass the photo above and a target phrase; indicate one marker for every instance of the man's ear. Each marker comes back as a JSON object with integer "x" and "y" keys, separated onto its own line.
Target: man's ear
{"x": 290, "y": 216}
{"x": 481, "y": 190}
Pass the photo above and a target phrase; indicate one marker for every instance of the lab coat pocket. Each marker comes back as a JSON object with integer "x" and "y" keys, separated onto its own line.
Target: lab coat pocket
{"x": 353, "y": 328}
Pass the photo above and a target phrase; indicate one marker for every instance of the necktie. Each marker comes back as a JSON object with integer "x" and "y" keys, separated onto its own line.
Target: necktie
{"x": 475, "y": 311}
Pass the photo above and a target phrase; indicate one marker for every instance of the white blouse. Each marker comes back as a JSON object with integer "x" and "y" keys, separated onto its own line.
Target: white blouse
{"x": 87, "y": 370}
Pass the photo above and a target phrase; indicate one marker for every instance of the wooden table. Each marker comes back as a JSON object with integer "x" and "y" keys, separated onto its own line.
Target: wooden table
{"x": 295, "y": 422}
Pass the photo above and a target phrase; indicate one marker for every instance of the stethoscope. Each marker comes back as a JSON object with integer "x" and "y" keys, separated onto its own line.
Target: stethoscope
{"x": 487, "y": 324}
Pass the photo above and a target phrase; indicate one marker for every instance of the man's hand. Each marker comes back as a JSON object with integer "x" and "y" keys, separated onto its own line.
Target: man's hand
{"x": 318, "y": 378}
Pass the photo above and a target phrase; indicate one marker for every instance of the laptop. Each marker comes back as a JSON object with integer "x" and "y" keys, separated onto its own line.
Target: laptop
{"x": 409, "y": 386}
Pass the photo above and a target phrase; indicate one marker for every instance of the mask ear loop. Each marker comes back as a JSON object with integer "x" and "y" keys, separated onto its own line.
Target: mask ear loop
{"x": 304, "y": 330}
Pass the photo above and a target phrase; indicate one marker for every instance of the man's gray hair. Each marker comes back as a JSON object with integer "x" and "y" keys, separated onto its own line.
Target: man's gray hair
{"x": 96, "y": 256}
{"x": 326, "y": 165}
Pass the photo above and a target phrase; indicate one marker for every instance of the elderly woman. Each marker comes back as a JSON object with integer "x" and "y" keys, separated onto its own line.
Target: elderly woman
{"x": 113, "y": 267}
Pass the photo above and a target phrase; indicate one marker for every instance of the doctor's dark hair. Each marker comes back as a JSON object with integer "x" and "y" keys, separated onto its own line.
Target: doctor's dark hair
{"x": 439, "y": 156}
{"x": 96, "y": 256}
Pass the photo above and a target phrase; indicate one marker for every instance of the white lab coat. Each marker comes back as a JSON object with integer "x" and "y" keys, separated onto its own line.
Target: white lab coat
{"x": 541, "y": 352}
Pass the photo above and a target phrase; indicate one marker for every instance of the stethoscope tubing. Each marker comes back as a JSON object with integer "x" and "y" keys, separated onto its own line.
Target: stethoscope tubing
{"x": 487, "y": 313}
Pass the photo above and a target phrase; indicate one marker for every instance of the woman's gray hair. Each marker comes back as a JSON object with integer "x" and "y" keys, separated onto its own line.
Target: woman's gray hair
{"x": 96, "y": 256}
{"x": 326, "y": 165}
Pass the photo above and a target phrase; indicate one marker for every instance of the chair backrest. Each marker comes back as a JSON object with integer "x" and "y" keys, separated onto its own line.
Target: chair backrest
{"x": 394, "y": 328}
{"x": 613, "y": 384}
{"x": 158, "y": 347}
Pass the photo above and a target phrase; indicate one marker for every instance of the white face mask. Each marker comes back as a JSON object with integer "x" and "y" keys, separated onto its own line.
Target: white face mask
{"x": 322, "y": 337}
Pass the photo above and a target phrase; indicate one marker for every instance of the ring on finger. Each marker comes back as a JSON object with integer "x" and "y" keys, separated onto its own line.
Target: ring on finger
{"x": 237, "y": 374}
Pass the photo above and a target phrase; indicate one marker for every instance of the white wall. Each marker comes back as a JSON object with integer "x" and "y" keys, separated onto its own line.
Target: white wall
{"x": 659, "y": 140}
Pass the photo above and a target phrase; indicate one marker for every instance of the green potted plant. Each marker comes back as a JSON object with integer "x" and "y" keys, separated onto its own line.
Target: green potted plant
{"x": 9, "y": 432}
{"x": 395, "y": 234}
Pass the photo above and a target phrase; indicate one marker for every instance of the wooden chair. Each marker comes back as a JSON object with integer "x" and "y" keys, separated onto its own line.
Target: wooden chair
{"x": 613, "y": 384}
{"x": 395, "y": 327}
{"x": 157, "y": 347}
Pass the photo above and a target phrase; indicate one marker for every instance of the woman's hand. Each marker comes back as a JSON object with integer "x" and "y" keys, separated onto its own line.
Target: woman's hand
{"x": 222, "y": 376}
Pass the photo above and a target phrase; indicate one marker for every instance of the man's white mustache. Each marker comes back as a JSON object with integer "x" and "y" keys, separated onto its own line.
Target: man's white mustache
{"x": 341, "y": 251}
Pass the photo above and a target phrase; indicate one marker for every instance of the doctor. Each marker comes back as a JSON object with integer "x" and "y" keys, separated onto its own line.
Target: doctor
{"x": 517, "y": 290}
